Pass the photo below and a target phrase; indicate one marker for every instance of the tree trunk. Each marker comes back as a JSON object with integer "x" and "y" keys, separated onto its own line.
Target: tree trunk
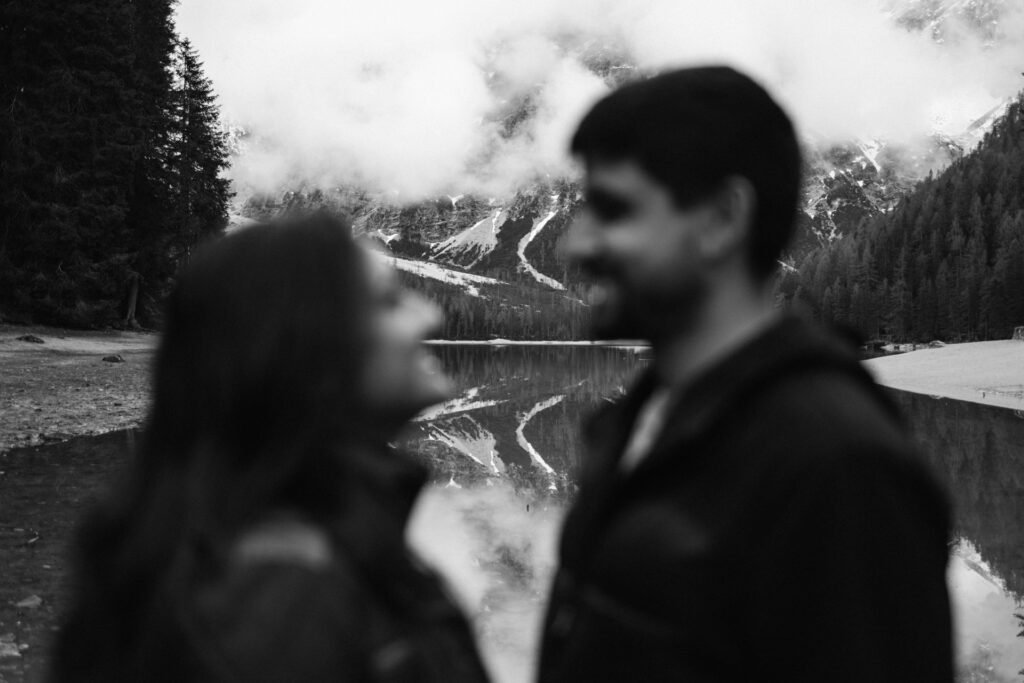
{"x": 133, "y": 298}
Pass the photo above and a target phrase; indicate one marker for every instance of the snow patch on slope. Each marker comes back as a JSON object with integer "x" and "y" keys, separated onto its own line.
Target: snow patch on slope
{"x": 386, "y": 238}
{"x": 479, "y": 240}
{"x": 870, "y": 149}
{"x": 538, "y": 225}
{"x": 467, "y": 281}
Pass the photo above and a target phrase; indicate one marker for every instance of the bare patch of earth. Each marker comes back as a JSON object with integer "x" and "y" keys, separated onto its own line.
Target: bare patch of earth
{"x": 44, "y": 493}
{"x": 55, "y": 385}
{"x": 63, "y": 387}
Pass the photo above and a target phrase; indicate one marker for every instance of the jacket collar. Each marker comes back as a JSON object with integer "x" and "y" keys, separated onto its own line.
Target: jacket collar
{"x": 382, "y": 488}
{"x": 787, "y": 345}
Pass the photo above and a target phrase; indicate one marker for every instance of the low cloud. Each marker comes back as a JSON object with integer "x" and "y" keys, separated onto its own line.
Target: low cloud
{"x": 497, "y": 554}
{"x": 413, "y": 98}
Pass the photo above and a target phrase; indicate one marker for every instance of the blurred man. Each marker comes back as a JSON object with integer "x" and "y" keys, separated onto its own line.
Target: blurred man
{"x": 752, "y": 509}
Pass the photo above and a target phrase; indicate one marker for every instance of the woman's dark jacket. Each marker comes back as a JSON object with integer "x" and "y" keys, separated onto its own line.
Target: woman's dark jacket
{"x": 296, "y": 594}
{"x": 780, "y": 529}
{"x": 302, "y": 603}
{"x": 357, "y": 607}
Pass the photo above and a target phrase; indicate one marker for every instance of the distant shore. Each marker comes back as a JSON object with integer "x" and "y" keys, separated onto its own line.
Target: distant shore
{"x": 56, "y": 385}
{"x": 990, "y": 373}
{"x": 60, "y": 386}
{"x": 612, "y": 343}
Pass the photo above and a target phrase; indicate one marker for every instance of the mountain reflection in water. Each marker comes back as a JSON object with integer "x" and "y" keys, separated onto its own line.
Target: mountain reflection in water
{"x": 505, "y": 454}
{"x": 978, "y": 451}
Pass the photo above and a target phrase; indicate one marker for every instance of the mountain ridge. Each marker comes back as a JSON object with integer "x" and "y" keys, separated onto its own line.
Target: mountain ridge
{"x": 444, "y": 243}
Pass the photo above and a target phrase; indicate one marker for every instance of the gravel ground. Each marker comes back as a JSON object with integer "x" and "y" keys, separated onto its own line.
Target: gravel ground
{"x": 62, "y": 387}
{"x": 54, "y": 385}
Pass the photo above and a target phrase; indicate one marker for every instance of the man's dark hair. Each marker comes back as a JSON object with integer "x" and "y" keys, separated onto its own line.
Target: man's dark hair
{"x": 691, "y": 129}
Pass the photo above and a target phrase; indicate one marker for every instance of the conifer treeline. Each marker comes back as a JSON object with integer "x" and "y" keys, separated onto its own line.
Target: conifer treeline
{"x": 947, "y": 263}
{"x": 110, "y": 157}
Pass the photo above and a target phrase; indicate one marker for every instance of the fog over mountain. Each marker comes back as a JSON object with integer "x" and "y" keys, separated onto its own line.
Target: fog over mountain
{"x": 421, "y": 99}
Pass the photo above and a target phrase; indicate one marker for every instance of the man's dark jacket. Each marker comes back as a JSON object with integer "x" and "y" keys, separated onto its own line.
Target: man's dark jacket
{"x": 780, "y": 529}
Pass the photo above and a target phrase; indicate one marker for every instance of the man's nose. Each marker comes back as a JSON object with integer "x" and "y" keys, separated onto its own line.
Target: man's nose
{"x": 431, "y": 318}
{"x": 582, "y": 241}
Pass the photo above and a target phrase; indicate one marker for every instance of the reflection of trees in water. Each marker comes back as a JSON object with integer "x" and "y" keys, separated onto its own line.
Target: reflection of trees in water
{"x": 592, "y": 372}
{"x": 976, "y": 449}
{"x": 520, "y": 381}
{"x": 979, "y": 451}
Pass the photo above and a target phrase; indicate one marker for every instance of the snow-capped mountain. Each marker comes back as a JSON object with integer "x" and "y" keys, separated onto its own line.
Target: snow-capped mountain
{"x": 485, "y": 242}
{"x": 503, "y": 251}
{"x": 486, "y": 247}
{"x": 948, "y": 19}
{"x": 844, "y": 184}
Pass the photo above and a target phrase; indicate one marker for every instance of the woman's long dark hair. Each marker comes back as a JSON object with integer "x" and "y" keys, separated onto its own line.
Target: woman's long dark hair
{"x": 256, "y": 394}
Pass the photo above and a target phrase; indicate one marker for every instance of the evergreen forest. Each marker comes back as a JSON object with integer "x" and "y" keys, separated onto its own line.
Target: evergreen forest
{"x": 111, "y": 155}
{"x": 111, "y": 172}
{"x": 947, "y": 263}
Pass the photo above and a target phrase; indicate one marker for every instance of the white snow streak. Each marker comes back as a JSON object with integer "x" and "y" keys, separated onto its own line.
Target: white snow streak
{"x": 467, "y": 281}
{"x": 526, "y": 445}
{"x": 385, "y": 238}
{"x": 870, "y": 151}
{"x": 523, "y": 243}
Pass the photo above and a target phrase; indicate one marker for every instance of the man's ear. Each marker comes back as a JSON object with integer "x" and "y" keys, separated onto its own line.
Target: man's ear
{"x": 732, "y": 212}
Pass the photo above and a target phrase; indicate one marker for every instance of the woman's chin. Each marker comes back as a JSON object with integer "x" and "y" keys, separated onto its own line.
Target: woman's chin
{"x": 439, "y": 390}
{"x": 435, "y": 385}
{"x": 420, "y": 398}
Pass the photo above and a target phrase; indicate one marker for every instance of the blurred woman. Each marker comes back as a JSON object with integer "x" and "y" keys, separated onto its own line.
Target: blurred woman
{"x": 259, "y": 535}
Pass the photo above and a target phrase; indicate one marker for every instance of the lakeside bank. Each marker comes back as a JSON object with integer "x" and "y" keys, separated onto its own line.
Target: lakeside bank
{"x": 60, "y": 386}
{"x": 990, "y": 373}
{"x": 55, "y": 383}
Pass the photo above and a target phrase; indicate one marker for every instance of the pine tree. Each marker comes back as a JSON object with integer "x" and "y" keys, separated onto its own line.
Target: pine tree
{"x": 150, "y": 227}
{"x": 66, "y": 137}
{"x": 198, "y": 153}
{"x": 948, "y": 262}
{"x": 108, "y": 173}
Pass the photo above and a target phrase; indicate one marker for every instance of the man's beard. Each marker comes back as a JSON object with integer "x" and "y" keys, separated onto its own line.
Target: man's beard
{"x": 610, "y": 318}
{"x": 617, "y": 313}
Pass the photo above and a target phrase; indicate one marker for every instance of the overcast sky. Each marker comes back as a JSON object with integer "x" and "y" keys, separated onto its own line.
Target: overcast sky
{"x": 405, "y": 96}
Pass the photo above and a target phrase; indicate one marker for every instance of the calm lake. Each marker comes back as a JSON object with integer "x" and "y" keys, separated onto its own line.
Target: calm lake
{"x": 505, "y": 454}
